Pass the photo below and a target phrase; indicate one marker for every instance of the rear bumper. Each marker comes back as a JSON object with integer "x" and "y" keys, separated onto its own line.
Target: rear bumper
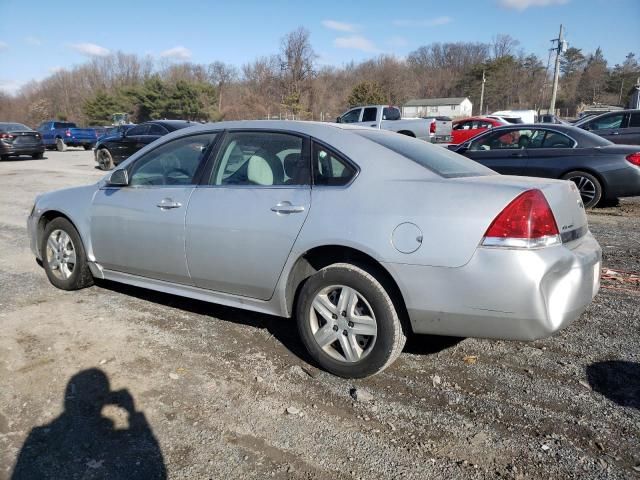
{"x": 21, "y": 149}
{"x": 624, "y": 182}
{"x": 500, "y": 293}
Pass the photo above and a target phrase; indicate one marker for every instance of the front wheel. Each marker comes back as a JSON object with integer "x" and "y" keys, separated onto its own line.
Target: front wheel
{"x": 64, "y": 257}
{"x": 87, "y": 147}
{"x": 588, "y": 185}
{"x": 348, "y": 321}
{"x": 105, "y": 160}
{"x": 60, "y": 145}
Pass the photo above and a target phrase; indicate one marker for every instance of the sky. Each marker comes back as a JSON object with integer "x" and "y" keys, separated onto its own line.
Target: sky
{"x": 54, "y": 35}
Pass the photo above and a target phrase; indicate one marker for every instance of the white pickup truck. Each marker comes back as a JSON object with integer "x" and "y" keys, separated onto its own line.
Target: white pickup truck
{"x": 388, "y": 118}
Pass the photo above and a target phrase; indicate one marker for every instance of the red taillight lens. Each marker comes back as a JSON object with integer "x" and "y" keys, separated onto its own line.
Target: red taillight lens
{"x": 526, "y": 222}
{"x": 6, "y": 135}
{"x": 634, "y": 159}
{"x": 432, "y": 127}
{"x": 67, "y": 133}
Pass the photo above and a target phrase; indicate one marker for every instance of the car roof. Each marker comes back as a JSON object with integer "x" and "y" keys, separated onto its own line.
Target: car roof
{"x": 172, "y": 124}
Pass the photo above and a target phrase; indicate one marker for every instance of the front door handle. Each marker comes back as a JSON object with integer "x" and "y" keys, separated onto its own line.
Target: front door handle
{"x": 615, "y": 133}
{"x": 517, "y": 155}
{"x": 168, "y": 203}
{"x": 286, "y": 208}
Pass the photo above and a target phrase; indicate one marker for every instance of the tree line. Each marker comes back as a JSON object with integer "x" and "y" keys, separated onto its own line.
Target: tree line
{"x": 291, "y": 84}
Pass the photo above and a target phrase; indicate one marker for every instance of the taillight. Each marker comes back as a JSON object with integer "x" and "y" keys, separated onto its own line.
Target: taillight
{"x": 6, "y": 135}
{"x": 432, "y": 127}
{"x": 634, "y": 159}
{"x": 67, "y": 133}
{"x": 527, "y": 222}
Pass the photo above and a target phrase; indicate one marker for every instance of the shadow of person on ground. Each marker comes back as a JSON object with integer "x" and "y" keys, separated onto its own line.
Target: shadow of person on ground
{"x": 82, "y": 443}
{"x": 617, "y": 380}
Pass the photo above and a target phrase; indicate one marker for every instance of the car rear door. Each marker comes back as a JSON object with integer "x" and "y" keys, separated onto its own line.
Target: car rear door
{"x": 139, "y": 228}
{"x": 244, "y": 218}
{"x": 502, "y": 151}
{"x": 630, "y": 134}
{"x": 552, "y": 155}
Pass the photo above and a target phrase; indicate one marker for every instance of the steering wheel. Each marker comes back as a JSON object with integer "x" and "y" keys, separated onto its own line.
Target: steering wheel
{"x": 169, "y": 180}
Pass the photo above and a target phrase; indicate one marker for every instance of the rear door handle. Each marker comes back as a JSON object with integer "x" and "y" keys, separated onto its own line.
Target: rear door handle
{"x": 286, "y": 208}
{"x": 168, "y": 203}
{"x": 517, "y": 155}
{"x": 615, "y": 133}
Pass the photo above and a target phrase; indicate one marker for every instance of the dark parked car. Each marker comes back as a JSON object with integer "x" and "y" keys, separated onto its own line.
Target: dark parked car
{"x": 600, "y": 169}
{"x": 113, "y": 149}
{"x": 17, "y": 139}
{"x": 622, "y": 126}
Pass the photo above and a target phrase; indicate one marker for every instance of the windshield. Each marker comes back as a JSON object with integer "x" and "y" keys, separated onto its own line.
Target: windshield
{"x": 438, "y": 159}
{"x": 13, "y": 127}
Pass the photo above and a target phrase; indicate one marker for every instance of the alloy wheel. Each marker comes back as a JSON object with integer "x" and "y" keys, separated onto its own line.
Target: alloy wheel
{"x": 586, "y": 187}
{"x": 343, "y": 323}
{"x": 61, "y": 254}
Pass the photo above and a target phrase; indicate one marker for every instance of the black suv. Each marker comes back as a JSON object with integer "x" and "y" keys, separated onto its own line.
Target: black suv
{"x": 114, "y": 149}
{"x": 621, "y": 126}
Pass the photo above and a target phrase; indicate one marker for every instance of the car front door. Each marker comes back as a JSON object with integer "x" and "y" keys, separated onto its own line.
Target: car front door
{"x": 133, "y": 140}
{"x": 139, "y": 228}
{"x": 504, "y": 151}
{"x": 608, "y": 126}
{"x": 244, "y": 218}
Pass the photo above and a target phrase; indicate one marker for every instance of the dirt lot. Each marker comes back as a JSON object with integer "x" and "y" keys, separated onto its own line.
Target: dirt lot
{"x": 201, "y": 391}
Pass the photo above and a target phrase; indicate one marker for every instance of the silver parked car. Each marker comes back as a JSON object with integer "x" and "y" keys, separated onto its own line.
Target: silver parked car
{"x": 362, "y": 235}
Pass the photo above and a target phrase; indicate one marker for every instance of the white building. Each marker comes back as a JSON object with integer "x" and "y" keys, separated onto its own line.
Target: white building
{"x": 431, "y": 107}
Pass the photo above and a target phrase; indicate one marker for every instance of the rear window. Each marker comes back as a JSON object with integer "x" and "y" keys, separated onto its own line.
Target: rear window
{"x": 390, "y": 113}
{"x": 438, "y": 159}
{"x": 13, "y": 127}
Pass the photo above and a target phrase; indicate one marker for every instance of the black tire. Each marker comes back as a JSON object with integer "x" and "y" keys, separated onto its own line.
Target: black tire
{"x": 80, "y": 276}
{"x": 105, "y": 160}
{"x": 38, "y": 156}
{"x": 88, "y": 147}
{"x": 60, "y": 145}
{"x": 589, "y": 186}
{"x": 390, "y": 336}
{"x": 4, "y": 157}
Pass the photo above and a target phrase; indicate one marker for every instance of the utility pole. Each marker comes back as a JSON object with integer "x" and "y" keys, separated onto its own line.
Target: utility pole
{"x": 556, "y": 72}
{"x": 482, "y": 93}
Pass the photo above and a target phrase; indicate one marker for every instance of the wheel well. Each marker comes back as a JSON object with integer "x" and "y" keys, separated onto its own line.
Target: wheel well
{"x": 407, "y": 133}
{"x": 47, "y": 217}
{"x": 317, "y": 258}
{"x": 603, "y": 184}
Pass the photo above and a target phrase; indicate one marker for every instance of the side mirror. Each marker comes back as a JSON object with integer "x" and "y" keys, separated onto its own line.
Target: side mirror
{"x": 118, "y": 178}
{"x": 338, "y": 119}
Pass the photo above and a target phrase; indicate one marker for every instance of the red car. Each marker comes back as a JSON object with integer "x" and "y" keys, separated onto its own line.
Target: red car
{"x": 466, "y": 128}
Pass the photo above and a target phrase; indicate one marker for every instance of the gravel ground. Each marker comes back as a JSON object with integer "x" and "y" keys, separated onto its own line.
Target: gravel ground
{"x": 201, "y": 391}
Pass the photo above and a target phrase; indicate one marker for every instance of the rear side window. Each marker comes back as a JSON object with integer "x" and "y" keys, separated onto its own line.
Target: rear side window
{"x": 369, "y": 114}
{"x": 608, "y": 121}
{"x": 329, "y": 169}
{"x": 155, "y": 129}
{"x": 390, "y": 113}
{"x": 634, "y": 120}
{"x": 438, "y": 159}
{"x": 138, "y": 130}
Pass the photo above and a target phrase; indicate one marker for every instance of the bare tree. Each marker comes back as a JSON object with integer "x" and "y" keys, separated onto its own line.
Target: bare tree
{"x": 504, "y": 45}
{"x": 221, "y": 75}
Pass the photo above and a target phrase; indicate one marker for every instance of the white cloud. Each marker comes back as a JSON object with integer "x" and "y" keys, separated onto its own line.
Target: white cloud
{"x": 35, "y": 41}
{"x": 177, "y": 53}
{"x": 524, "y": 4}
{"x": 90, "y": 49}
{"x": 356, "y": 42}
{"x": 430, "y": 22}
{"x": 55, "y": 69}
{"x": 3, "y": 46}
{"x": 341, "y": 26}
{"x": 9, "y": 86}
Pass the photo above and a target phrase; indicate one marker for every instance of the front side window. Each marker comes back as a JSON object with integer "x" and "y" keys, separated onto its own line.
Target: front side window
{"x": 509, "y": 140}
{"x": 174, "y": 163}
{"x": 609, "y": 121}
{"x": 634, "y": 120}
{"x": 138, "y": 130}
{"x": 329, "y": 169}
{"x": 369, "y": 114}
{"x": 261, "y": 159}
{"x": 351, "y": 116}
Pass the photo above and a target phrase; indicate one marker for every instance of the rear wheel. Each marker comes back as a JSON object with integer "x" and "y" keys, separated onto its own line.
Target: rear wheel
{"x": 105, "y": 160}
{"x": 37, "y": 156}
{"x": 348, "y": 322}
{"x": 64, "y": 257}
{"x": 60, "y": 145}
{"x": 588, "y": 185}
{"x": 4, "y": 157}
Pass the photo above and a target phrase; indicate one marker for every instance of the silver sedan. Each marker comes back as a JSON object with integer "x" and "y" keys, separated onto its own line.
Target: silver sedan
{"x": 364, "y": 236}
